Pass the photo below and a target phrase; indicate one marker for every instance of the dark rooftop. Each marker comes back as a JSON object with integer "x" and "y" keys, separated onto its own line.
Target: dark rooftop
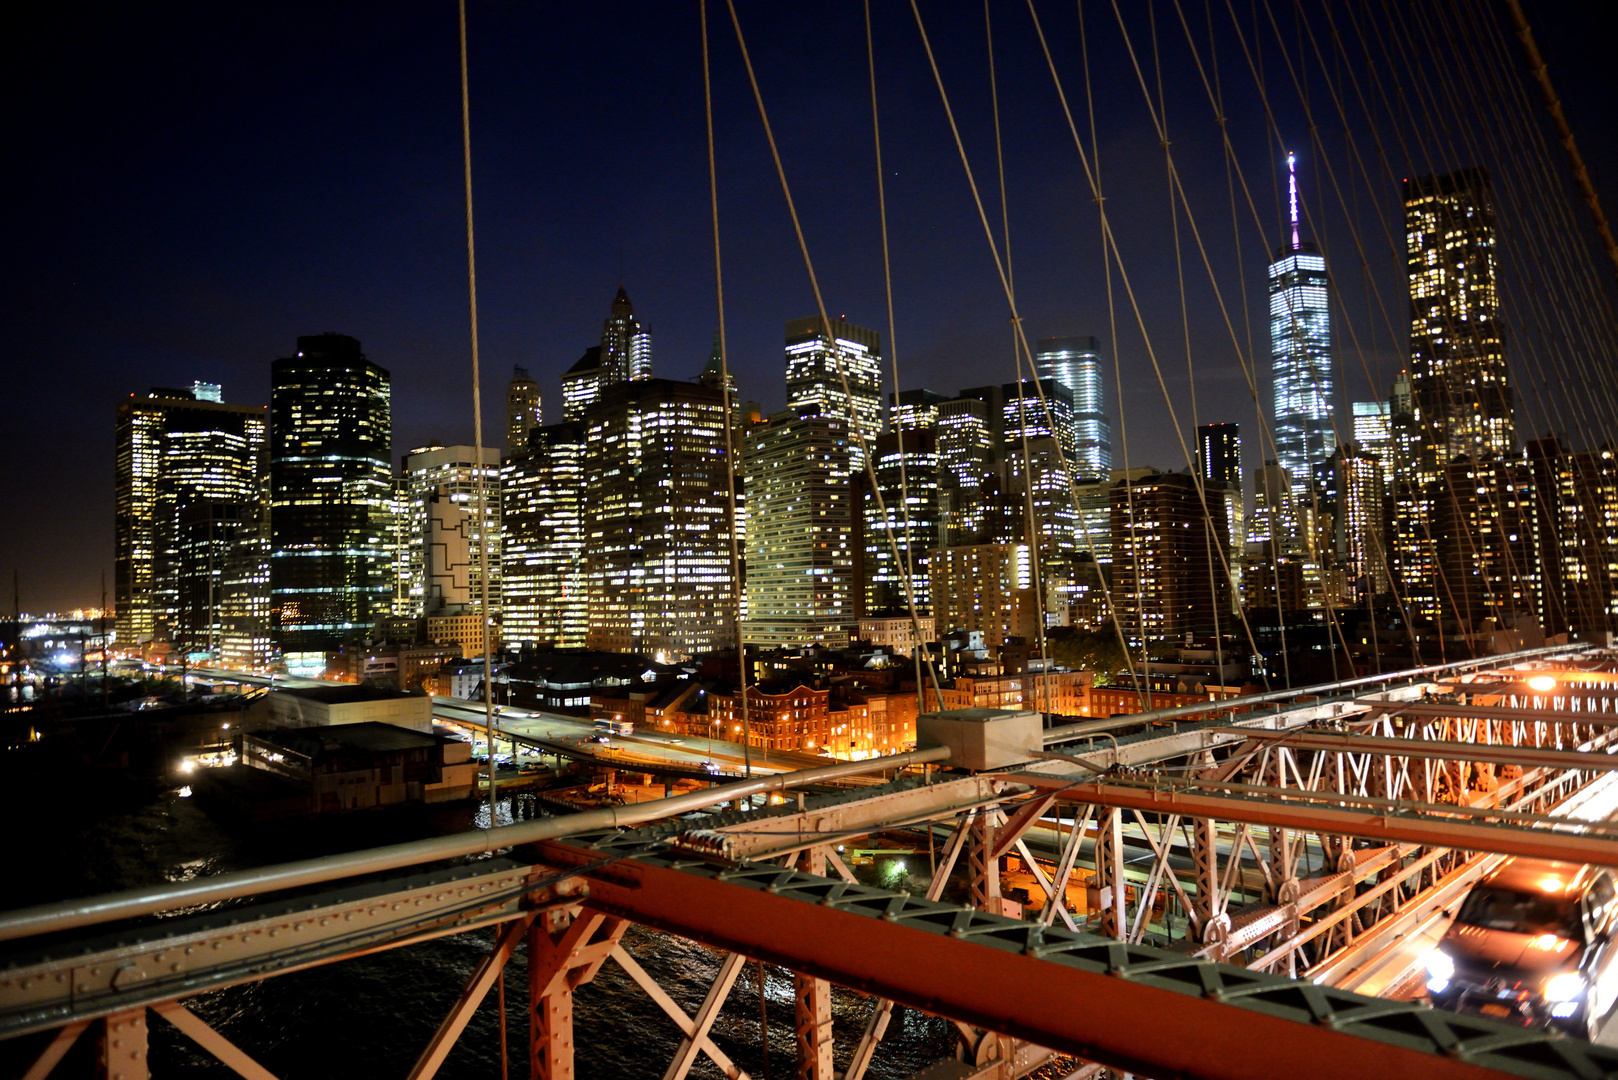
{"x": 371, "y": 735}
{"x": 340, "y": 693}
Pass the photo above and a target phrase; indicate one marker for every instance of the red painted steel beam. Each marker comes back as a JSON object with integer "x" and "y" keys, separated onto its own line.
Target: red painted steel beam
{"x": 1391, "y": 826}
{"x": 1122, "y": 1016}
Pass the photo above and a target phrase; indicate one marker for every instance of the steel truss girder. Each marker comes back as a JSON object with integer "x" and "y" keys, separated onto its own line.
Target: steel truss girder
{"x": 1076, "y": 993}
{"x": 51, "y": 986}
{"x": 1447, "y": 711}
{"x": 1394, "y": 826}
{"x": 909, "y": 802}
{"x": 839, "y": 817}
{"x": 1442, "y": 749}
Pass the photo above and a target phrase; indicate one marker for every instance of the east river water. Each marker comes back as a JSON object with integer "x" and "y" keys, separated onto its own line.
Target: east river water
{"x": 370, "y": 1017}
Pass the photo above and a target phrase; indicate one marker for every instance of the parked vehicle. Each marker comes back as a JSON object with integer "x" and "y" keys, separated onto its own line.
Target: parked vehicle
{"x": 1533, "y": 943}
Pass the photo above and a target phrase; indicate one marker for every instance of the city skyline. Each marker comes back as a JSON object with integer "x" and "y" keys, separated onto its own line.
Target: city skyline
{"x": 202, "y": 272}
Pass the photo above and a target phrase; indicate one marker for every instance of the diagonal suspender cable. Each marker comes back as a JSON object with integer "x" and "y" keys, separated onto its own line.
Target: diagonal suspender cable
{"x": 732, "y": 464}
{"x": 1201, "y": 465}
{"x": 994, "y": 250}
{"x": 1311, "y": 538}
{"x": 855, "y": 425}
{"x": 1553, "y": 105}
{"x": 1162, "y": 130}
{"x": 1438, "y": 135}
{"x": 917, "y": 645}
{"x": 1143, "y": 686}
{"x": 1031, "y": 522}
{"x": 477, "y": 423}
{"x": 1527, "y": 358}
{"x": 1215, "y": 99}
{"x": 1111, "y": 241}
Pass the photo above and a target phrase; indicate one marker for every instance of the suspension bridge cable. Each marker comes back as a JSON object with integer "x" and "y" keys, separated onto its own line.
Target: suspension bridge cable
{"x": 477, "y": 424}
{"x": 732, "y": 460}
{"x": 994, "y": 251}
{"x": 1553, "y": 105}
{"x": 909, "y": 569}
{"x": 1111, "y": 240}
{"x": 1144, "y": 684}
{"x": 855, "y": 424}
{"x": 1033, "y": 531}
{"x": 1202, "y": 464}
{"x": 1250, "y": 53}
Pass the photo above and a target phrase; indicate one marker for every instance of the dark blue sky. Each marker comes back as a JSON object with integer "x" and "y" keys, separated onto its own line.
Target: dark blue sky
{"x": 191, "y": 186}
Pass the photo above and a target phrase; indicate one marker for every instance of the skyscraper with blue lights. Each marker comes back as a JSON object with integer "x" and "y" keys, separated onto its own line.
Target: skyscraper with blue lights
{"x": 1300, "y": 352}
{"x": 1075, "y": 362}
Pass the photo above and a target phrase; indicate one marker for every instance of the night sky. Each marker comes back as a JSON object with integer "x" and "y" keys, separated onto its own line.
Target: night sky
{"x": 192, "y": 186}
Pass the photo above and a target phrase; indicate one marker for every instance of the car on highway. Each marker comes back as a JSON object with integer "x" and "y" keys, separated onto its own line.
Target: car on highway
{"x": 1533, "y": 943}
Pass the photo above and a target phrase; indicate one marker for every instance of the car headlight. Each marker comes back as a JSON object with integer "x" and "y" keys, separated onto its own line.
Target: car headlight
{"x": 1440, "y": 966}
{"x": 1564, "y": 987}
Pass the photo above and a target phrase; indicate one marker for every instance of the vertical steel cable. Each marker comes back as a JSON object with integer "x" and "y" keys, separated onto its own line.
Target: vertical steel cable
{"x": 477, "y": 423}
{"x": 893, "y": 356}
{"x": 731, "y": 456}
{"x": 1030, "y": 520}
{"x": 856, "y": 427}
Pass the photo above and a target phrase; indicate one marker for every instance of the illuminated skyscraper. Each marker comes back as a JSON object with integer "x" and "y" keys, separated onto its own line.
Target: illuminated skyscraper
{"x": 967, "y": 445}
{"x": 1373, "y": 433}
{"x": 1463, "y": 402}
{"x": 913, "y": 518}
{"x": 1219, "y": 452}
{"x": 1460, "y": 511}
{"x": 444, "y": 513}
{"x": 524, "y": 412}
{"x": 800, "y": 553}
{"x": 1362, "y": 521}
{"x": 542, "y": 540}
{"x": 816, "y": 371}
{"x": 987, "y": 588}
{"x": 714, "y": 376}
{"x": 1301, "y": 353}
{"x": 330, "y": 498}
{"x": 1577, "y": 502}
{"x": 915, "y": 410}
{"x": 626, "y": 346}
{"x": 1042, "y": 489}
{"x": 174, "y": 452}
{"x": 657, "y": 520}
{"x": 581, "y": 385}
{"x": 1075, "y": 363}
{"x": 1025, "y": 412}
{"x": 1167, "y": 581}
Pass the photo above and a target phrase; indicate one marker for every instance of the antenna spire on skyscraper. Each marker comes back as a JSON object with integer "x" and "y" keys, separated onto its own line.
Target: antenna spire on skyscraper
{"x": 1292, "y": 190}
